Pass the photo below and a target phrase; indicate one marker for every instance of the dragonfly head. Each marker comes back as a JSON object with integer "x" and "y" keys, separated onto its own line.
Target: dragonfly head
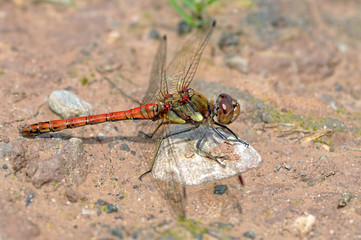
{"x": 226, "y": 109}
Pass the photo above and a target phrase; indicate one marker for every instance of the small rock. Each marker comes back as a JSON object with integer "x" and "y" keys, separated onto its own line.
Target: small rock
{"x": 304, "y": 225}
{"x": 49, "y": 170}
{"x": 111, "y": 208}
{"x": 101, "y": 137}
{"x": 99, "y": 211}
{"x": 220, "y": 189}
{"x": 323, "y": 157}
{"x": 29, "y": 199}
{"x": 344, "y": 200}
{"x": 276, "y": 169}
{"x": 154, "y": 34}
{"x": 67, "y": 105}
{"x": 309, "y": 181}
{"x": 228, "y": 39}
{"x": 101, "y": 202}
{"x": 5, "y": 166}
{"x": 342, "y": 47}
{"x": 221, "y": 225}
{"x": 184, "y": 28}
{"x": 113, "y": 36}
{"x": 66, "y": 165}
{"x": 288, "y": 167}
{"x": 218, "y": 234}
{"x": 85, "y": 52}
{"x": 237, "y": 63}
{"x": 118, "y": 232}
{"x": 71, "y": 195}
{"x": 133, "y": 153}
{"x": 249, "y": 234}
{"x": 137, "y": 234}
{"x": 124, "y": 147}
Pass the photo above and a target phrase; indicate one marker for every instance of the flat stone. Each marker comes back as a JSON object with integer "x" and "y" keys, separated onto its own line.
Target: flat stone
{"x": 68, "y": 105}
{"x": 238, "y": 63}
{"x": 174, "y": 164}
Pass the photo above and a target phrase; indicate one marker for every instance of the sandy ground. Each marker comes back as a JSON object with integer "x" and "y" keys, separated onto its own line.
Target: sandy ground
{"x": 297, "y": 78}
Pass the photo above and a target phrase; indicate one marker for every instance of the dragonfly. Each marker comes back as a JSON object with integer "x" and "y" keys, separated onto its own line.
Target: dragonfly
{"x": 168, "y": 101}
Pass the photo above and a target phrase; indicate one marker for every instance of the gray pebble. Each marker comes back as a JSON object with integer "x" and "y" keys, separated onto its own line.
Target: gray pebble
{"x": 101, "y": 202}
{"x": 276, "y": 169}
{"x": 101, "y": 137}
{"x": 67, "y": 105}
{"x": 288, "y": 167}
{"x": 29, "y": 199}
{"x": 154, "y": 34}
{"x": 237, "y": 63}
{"x": 124, "y": 147}
{"x": 344, "y": 200}
{"x": 228, "y": 39}
{"x": 249, "y": 234}
{"x": 111, "y": 208}
{"x": 184, "y": 28}
{"x": 118, "y": 232}
{"x": 220, "y": 189}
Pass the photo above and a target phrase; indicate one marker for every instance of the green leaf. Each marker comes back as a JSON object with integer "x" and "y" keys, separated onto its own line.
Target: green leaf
{"x": 212, "y": 1}
{"x": 190, "y": 4}
{"x": 181, "y": 12}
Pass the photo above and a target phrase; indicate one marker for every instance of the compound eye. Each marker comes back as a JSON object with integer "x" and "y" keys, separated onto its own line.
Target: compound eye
{"x": 227, "y": 109}
{"x": 226, "y": 106}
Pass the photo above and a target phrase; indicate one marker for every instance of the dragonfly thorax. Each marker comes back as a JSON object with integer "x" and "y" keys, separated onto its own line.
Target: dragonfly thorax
{"x": 226, "y": 109}
{"x": 186, "y": 107}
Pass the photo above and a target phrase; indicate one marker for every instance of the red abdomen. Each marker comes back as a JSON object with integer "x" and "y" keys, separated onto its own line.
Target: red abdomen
{"x": 147, "y": 111}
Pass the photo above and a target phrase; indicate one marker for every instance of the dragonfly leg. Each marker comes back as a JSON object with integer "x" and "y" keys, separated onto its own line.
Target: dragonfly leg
{"x": 160, "y": 143}
{"x": 145, "y": 173}
{"x": 225, "y": 138}
{"x": 223, "y": 164}
{"x": 155, "y": 130}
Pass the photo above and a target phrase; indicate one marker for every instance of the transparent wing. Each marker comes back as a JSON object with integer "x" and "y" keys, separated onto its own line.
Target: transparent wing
{"x": 178, "y": 75}
{"x": 182, "y": 68}
{"x": 157, "y": 84}
{"x": 178, "y": 163}
{"x": 171, "y": 190}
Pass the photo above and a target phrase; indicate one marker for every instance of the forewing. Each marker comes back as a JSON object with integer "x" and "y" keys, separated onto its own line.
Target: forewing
{"x": 171, "y": 190}
{"x": 157, "y": 84}
{"x": 182, "y": 68}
